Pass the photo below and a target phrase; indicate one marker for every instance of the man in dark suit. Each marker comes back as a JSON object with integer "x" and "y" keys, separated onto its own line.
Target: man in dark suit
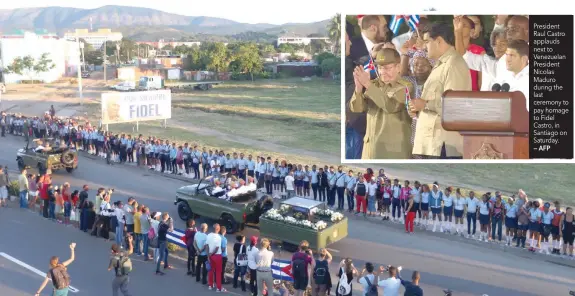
{"x": 358, "y": 49}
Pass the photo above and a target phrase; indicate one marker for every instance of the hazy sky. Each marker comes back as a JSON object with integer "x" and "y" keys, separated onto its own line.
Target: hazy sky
{"x": 246, "y": 11}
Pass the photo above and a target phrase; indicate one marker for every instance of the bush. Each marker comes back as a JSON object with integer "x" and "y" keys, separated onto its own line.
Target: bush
{"x": 14, "y": 189}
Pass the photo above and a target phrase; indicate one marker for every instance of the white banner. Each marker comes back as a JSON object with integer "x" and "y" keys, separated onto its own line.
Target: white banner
{"x": 119, "y": 107}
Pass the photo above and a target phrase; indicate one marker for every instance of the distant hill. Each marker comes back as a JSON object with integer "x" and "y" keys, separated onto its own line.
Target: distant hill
{"x": 145, "y": 24}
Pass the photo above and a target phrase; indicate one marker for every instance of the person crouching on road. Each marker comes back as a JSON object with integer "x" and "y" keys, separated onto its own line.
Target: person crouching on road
{"x": 264, "y": 260}
{"x": 58, "y": 274}
{"x": 214, "y": 243}
{"x": 122, "y": 266}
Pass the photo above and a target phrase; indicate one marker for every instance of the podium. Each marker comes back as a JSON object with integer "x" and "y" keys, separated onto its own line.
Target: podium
{"x": 494, "y": 125}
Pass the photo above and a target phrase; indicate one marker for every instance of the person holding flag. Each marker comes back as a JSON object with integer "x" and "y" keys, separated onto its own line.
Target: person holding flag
{"x": 384, "y": 99}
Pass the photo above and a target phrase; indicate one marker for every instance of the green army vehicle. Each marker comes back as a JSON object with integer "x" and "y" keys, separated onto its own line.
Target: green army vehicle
{"x": 201, "y": 200}
{"x": 47, "y": 158}
{"x": 299, "y": 219}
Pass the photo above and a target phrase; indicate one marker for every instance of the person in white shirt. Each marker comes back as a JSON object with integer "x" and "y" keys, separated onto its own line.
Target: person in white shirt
{"x": 371, "y": 190}
{"x": 448, "y": 209}
{"x": 218, "y": 190}
{"x": 214, "y": 242}
{"x": 471, "y": 203}
{"x": 517, "y": 62}
{"x": 120, "y": 216}
{"x": 290, "y": 184}
{"x": 252, "y": 252}
{"x": 459, "y": 207}
{"x": 264, "y": 259}
{"x": 392, "y": 284}
{"x": 484, "y": 217}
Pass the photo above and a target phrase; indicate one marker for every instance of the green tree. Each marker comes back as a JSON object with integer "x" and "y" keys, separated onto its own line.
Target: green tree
{"x": 168, "y": 47}
{"x": 334, "y": 32}
{"x": 214, "y": 56}
{"x": 29, "y": 67}
{"x": 331, "y": 65}
{"x": 319, "y": 58}
{"x": 94, "y": 57}
{"x": 266, "y": 49}
{"x": 87, "y": 46}
{"x": 287, "y": 48}
{"x": 246, "y": 59}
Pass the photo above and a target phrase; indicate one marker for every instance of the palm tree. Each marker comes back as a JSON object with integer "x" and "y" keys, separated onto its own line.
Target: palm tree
{"x": 334, "y": 32}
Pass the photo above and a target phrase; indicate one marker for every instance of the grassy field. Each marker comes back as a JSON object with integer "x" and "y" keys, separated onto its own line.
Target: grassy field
{"x": 289, "y": 112}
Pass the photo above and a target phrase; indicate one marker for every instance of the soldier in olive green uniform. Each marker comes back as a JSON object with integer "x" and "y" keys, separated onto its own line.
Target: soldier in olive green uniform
{"x": 388, "y": 123}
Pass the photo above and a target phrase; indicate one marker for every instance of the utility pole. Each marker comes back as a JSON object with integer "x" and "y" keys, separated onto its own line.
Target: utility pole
{"x": 80, "y": 68}
{"x": 104, "y": 62}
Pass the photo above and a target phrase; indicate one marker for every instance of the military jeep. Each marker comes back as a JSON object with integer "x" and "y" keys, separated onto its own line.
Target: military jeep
{"x": 47, "y": 159}
{"x": 199, "y": 200}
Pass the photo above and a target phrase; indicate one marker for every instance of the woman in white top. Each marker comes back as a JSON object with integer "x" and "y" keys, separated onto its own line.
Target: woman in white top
{"x": 448, "y": 210}
{"x": 264, "y": 259}
{"x": 458, "y": 209}
{"x": 546, "y": 219}
{"x": 471, "y": 209}
{"x": 484, "y": 217}
{"x": 425, "y": 192}
{"x": 511, "y": 220}
{"x": 534, "y": 225}
{"x": 154, "y": 223}
{"x": 416, "y": 193}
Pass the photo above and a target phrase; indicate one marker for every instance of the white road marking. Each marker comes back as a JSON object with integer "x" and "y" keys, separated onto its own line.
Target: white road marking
{"x": 32, "y": 269}
{"x": 332, "y": 250}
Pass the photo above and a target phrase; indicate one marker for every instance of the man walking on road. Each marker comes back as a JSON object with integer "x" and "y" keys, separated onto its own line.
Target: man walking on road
{"x": 122, "y": 266}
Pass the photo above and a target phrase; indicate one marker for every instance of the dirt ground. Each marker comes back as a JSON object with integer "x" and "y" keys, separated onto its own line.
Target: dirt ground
{"x": 286, "y": 119}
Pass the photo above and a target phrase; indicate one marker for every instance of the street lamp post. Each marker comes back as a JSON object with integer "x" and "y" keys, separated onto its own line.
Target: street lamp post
{"x": 80, "y": 45}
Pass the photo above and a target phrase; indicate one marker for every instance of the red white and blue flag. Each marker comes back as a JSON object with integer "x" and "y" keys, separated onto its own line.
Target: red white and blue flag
{"x": 396, "y": 21}
{"x": 281, "y": 270}
{"x": 369, "y": 66}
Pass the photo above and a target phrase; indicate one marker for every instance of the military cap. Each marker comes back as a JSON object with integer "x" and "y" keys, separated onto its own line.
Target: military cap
{"x": 387, "y": 56}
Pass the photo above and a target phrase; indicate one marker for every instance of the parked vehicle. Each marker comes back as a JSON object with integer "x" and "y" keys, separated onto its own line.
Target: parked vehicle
{"x": 124, "y": 86}
{"x": 157, "y": 82}
{"x": 85, "y": 74}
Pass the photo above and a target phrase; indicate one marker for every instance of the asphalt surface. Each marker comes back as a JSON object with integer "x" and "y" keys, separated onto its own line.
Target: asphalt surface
{"x": 467, "y": 268}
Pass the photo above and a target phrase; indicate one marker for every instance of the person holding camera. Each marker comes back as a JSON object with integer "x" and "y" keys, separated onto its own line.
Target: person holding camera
{"x": 392, "y": 284}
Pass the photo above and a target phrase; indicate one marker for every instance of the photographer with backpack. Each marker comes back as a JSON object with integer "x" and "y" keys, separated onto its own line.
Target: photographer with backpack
{"x": 122, "y": 266}
{"x": 300, "y": 263}
{"x": 58, "y": 274}
{"x": 346, "y": 274}
{"x": 368, "y": 279}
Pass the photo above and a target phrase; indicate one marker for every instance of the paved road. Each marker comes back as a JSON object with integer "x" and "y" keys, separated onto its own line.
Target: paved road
{"x": 468, "y": 269}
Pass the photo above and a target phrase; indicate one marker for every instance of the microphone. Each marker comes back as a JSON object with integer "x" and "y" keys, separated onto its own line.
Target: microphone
{"x": 496, "y": 87}
{"x": 505, "y": 87}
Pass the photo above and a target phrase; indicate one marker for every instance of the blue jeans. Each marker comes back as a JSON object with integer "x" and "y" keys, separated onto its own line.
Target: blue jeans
{"x": 340, "y": 197}
{"x": 239, "y": 274}
{"x": 52, "y": 210}
{"x": 350, "y": 200}
{"x": 24, "y": 199}
{"x": 145, "y": 244}
{"x": 120, "y": 234}
{"x": 496, "y": 223}
{"x": 471, "y": 218}
{"x": 61, "y": 292}
{"x": 137, "y": 240}
{"x": 353, "y": 144}
{"x": 163, "y": 253}
{"x": 84, "y": 220}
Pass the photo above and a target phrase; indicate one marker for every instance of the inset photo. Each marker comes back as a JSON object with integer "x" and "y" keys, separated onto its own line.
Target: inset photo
{"x": 455, "y": 87}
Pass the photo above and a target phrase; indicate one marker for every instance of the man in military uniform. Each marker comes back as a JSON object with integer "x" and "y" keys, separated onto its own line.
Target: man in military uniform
{"x": 384, "y": 99}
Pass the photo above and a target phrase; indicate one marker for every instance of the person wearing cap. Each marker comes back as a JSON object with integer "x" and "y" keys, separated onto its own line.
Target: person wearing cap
{"x": 388, "y": 132}
{"x": 252, "y": 252}
{"x": 450, "y": 73}
{"x": 546, "y": 220}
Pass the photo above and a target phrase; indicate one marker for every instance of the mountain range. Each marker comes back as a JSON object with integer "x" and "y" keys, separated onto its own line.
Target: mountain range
{"x": 145, "y": 24}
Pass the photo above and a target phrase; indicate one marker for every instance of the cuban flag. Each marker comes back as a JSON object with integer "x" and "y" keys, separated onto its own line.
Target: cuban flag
{"x": 281, "y": 270}
{"x": 412, "y": 21}
{"x": 176, "y": 237}
{"x": 395, "y": 23}
{"x": 369, "y": 67}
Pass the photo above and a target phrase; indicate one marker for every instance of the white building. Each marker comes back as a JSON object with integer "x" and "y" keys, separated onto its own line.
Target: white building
{"x": 96, "y": 38}
{"x": 65, "y": 55}
{"x": 300, "y": 40}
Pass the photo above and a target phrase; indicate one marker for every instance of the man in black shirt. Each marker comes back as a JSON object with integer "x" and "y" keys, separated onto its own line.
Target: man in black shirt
{"x": 412, "y": 288}
{"x": 163, "y": 229}
{"x": 83, "y": 208}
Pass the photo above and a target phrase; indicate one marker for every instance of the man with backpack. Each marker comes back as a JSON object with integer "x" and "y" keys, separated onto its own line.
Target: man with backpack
{"x": 361, "y": 196}
{"x": 122, "y": 266}
{"x": 300, "y": 263}
{"x": 58, "y": 274}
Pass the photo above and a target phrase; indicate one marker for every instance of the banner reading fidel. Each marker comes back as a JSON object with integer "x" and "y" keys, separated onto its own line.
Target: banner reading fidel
{"x": 121, "y": 107}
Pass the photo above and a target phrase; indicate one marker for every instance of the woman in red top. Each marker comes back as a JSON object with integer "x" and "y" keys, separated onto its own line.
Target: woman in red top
{"x": 66, "y": 198}
{"x": 368, "y": 175}
{"x": 44, "y": 183}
